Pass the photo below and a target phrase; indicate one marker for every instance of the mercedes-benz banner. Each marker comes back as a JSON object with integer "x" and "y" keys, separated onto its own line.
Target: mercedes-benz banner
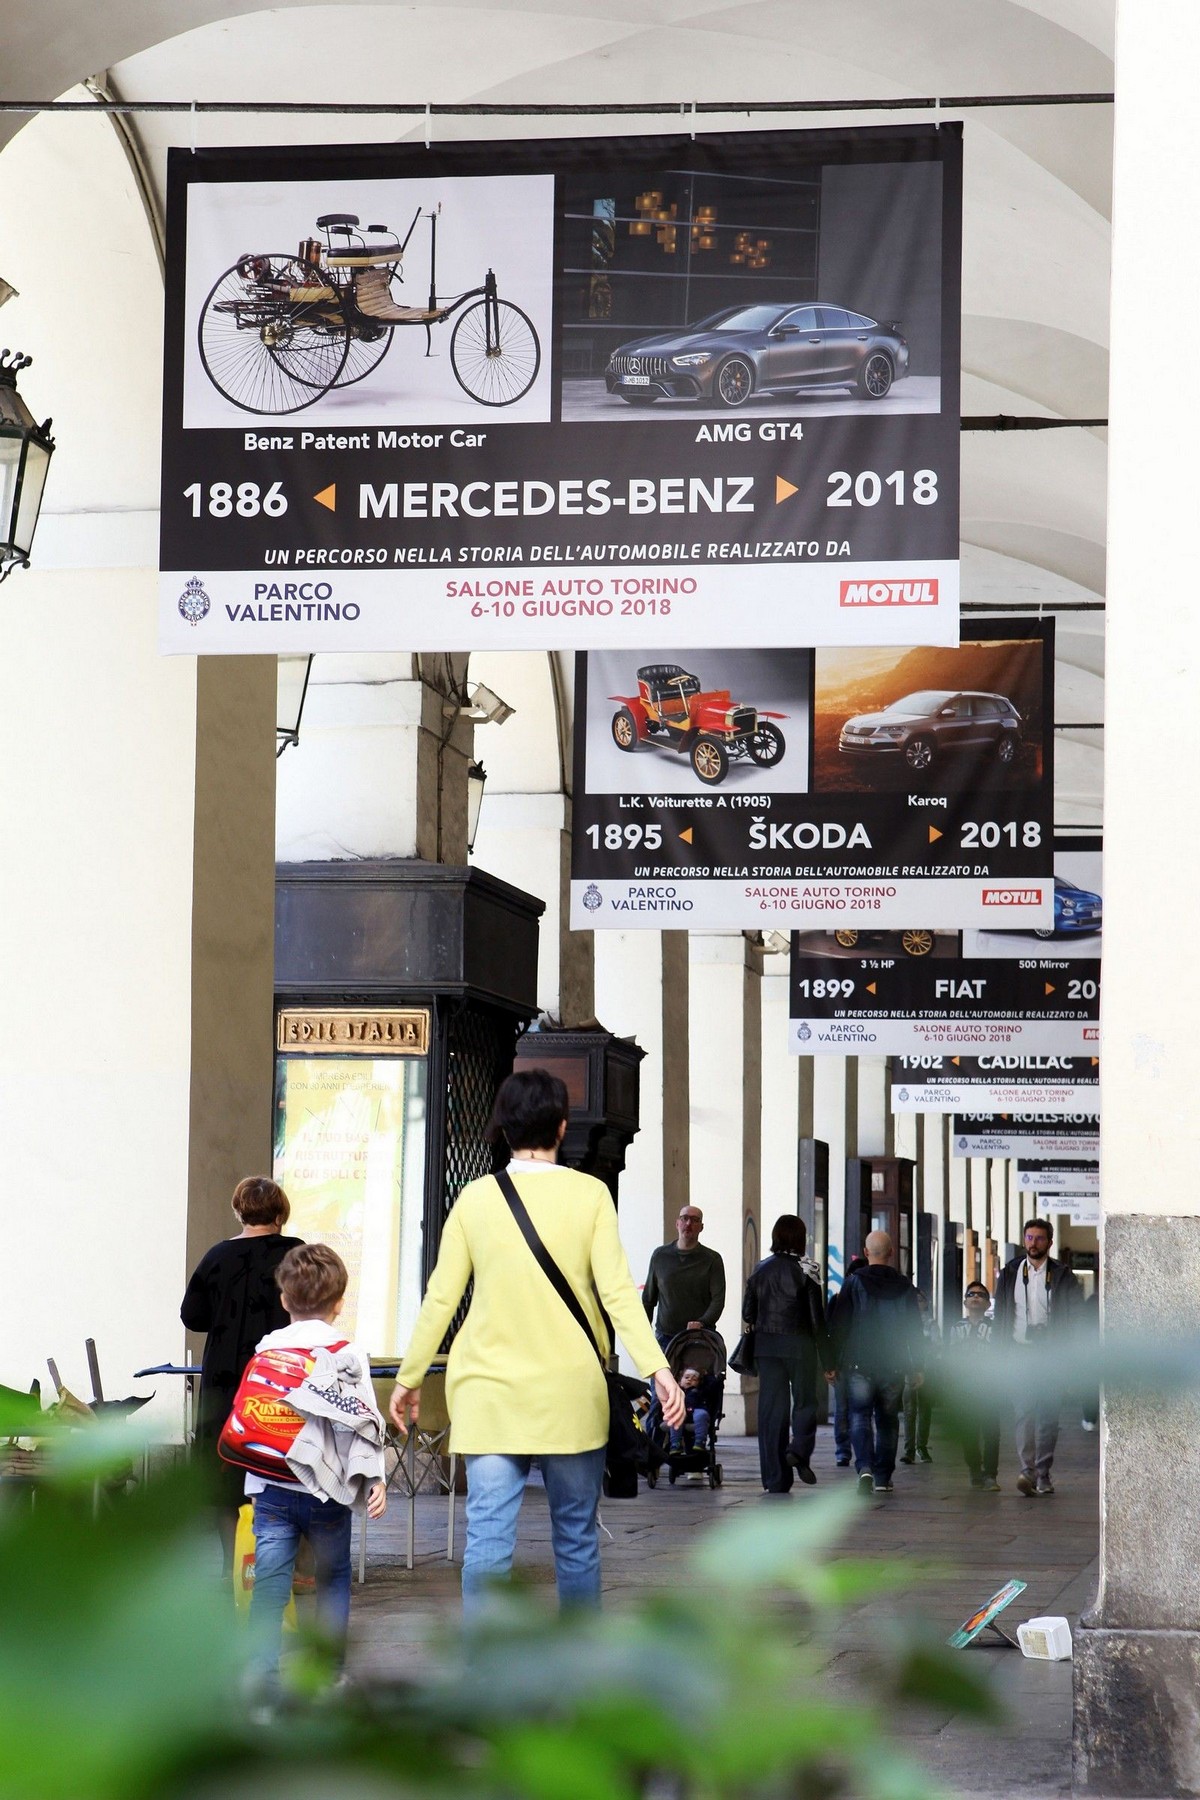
{"x": 1024, "y": 988}
{"x": 1049, "y": 1137}
{"x": 1002, "y": 1082}
{"x": 564, "y": 393}
{"x": 862, "y": 791}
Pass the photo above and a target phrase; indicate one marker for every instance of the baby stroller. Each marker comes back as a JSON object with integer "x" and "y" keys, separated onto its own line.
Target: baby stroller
{"x": 703, "y": 1351}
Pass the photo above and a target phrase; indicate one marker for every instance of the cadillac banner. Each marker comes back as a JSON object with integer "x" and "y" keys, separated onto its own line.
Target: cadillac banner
{"x": 864, "y": 791}
{"x": 563, "y": 393}
{"x": 1025, "y": 987}
{"x": 1004, "y": 1082}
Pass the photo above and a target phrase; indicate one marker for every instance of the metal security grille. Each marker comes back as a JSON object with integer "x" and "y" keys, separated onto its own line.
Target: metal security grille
{"x": 639, "y": 365}
{"x": 477, "y": 1054}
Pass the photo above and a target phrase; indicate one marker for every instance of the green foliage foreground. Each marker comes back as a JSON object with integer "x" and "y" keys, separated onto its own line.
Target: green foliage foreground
{"x": 121, "y": 1672}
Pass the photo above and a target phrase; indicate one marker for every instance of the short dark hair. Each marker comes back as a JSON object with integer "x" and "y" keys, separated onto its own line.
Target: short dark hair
{"x": 977, "y": 1287}
{"x": 529, "y": 1108}
{"x": 260, "y": 1201}
{"x": 310, "y": 1279}
{"x": 789, "y": 1236}
{"x": 1038, "y": 1225}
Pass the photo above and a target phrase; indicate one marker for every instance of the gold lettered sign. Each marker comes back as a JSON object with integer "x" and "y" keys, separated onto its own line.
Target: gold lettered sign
{"x": 349, "y": 1031}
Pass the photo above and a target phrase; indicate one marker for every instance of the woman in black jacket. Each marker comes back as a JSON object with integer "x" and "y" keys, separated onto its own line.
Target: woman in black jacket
{"x": 785, "y": 1309}
{"x": 233, "y": 1298}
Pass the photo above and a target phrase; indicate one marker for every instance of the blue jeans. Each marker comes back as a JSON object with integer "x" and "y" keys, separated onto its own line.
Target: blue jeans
{"x": 282, "y": 1516}
{"x": 841, "y": 1418}
{"x": 495, "y": 1488}
{"x": 874, "y": 1421}
{"x": 700, "y": 1421}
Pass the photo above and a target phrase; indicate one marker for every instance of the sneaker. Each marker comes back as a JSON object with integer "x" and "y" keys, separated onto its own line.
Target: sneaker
{"x": 910, "y": 1456}
{"x": 866, "y": 1482}
{"x": 989, "y": 1484}
{"x": 1044, "y": 1486}
{"x": 882, "y": 1487}
{"x": 977, "y": 1481}
{"x": 843, "y": 1462}
{"x": 924, "y": 1456}
{"x": 1026, "y": 1484}
{"x": 1088, "y": 1424}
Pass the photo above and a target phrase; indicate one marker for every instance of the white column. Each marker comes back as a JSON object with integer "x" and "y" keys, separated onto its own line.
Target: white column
{"x": 830, "y": 1115}
{"x": 780, "y": 1101}
{"x": 629, "y": 1002}
{"x": 874, "y": 1116}
{"x": 135, "y": 970}
{"x": 722, "y": 1063}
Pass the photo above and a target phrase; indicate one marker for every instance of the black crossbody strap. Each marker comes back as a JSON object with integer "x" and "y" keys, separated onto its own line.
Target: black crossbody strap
{"x": 545, "y": 1261}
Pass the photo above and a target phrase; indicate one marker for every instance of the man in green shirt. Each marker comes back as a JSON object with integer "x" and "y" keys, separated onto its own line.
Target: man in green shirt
{"x": 685, "y": 1281}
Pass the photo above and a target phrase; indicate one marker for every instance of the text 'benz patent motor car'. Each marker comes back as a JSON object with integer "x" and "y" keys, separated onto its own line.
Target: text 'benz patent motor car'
{"x": 919, "y": 730}
{"x": 672, "y": 710}
{"x": 764, "y": 348}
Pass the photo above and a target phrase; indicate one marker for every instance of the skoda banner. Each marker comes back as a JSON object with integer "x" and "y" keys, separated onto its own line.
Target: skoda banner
{"x": 1004, "y": 1082}
{"x": 861, "y": 791}
{"x": 563, "y": 393}
{"x": 1048, "y": 1137}
{"x": 1024, "y": 988}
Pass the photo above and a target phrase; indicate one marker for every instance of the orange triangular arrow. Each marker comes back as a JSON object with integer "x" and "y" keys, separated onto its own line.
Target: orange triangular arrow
{"x": 327, "y": 497}
{"x": 687, "y": 835}
{"x": 1049, "y": 987}
{"x": 784, "y": 489}
{"x": 1095, "y": 1060}
{"x": 956, "y": 1060}
{"x": 934, "y": 834}
{"x": 870, "y": 987}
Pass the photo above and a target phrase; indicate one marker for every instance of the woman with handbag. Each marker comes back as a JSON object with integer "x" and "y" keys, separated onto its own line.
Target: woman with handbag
{"x": 784, "y": 1310}
{"x": 525, "y": 1378}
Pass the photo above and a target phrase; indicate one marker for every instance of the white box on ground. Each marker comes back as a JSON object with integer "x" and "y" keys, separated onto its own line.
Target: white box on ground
{"x": 1047, "y": 1639}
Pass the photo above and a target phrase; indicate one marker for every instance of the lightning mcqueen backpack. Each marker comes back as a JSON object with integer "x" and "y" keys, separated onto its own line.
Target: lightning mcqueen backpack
{"x": 263, "y": 1425}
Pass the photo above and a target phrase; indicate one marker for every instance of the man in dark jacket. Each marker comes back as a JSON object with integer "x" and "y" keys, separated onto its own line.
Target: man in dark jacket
{"x": 877, "y": 1343}
{"x": 1036, "y": 1297}
{"x": 685, "y": 1281}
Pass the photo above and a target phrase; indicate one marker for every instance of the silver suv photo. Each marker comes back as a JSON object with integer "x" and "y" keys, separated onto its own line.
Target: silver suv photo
{"x": 920, "y": 729}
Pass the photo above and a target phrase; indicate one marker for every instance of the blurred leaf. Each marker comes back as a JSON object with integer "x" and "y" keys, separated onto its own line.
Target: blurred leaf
{"x": 762, "y": 1548}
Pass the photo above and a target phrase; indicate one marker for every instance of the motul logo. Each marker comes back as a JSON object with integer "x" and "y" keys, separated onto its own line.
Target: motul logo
{"x": 1012, "y": 896}
{"x": 890, "y": 593}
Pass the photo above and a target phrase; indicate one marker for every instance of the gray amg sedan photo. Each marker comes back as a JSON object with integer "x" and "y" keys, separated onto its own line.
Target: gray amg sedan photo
{"x": 760, "y": 349}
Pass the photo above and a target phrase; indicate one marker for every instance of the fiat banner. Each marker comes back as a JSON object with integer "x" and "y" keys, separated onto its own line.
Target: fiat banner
{"x": 1004, "y": 1082}
{"x": 563, "y": 394}
{"x": 1025, "y": 987}
{"x": 1049, "y": 1137}
{"x": 859, "y": 791}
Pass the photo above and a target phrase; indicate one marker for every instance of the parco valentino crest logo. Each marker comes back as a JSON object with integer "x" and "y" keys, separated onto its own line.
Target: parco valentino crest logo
{"x": 804, "y": 1032}
{"x": 592, "y": 897}
{"x": 194, "y": 602}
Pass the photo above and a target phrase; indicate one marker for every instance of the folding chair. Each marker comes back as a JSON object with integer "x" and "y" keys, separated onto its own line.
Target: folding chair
{"x": 423, "y": 1463}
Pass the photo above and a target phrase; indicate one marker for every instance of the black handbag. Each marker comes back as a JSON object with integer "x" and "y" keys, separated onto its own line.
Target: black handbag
{"x": 628, "y": 1451}
{"x": 741, "y": 1357}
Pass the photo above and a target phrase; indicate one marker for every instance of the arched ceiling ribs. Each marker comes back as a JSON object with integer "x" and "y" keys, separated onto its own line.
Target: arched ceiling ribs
{"x": 129, "y": 137}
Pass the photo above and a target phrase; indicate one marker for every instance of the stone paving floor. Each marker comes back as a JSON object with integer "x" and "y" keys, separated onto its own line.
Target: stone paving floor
{"x": 975, "y": 1542}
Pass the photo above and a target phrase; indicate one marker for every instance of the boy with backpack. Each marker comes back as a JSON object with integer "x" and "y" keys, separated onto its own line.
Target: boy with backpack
{"x": 306, "y": 1428}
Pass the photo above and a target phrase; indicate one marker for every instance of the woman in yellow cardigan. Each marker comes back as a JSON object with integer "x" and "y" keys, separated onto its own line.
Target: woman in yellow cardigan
{"x": 522, "y": 1379}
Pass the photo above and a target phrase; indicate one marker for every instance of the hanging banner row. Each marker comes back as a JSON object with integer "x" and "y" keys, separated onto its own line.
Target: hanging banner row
{"x": 698, "y": 390}
{"x": 864, "y": 791}
{"x": 1026, "y": 987}
{"x": 1003, "y": 1083}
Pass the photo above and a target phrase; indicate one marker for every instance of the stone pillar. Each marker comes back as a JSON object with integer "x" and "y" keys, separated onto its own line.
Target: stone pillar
{"x": 135, "y": 969}
{"x": 724, "y": 1077}
{"x": 835, "y": 1119}
{"x": 780, "y": 1100}
{"x": 1137, "y": 1655}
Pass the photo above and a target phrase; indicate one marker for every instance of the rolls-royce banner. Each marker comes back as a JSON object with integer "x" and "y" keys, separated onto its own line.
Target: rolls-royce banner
{"x": 1050, "y": 1137}
{"x": 563, "y": 393}
{"x": 1023, "y": 988}
{"x": 861, "y": 791}
{"x": 1003, "y": 1082}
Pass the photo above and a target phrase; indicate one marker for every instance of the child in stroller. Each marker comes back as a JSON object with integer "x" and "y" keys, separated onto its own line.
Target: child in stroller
{"x": 697, "y": 1360}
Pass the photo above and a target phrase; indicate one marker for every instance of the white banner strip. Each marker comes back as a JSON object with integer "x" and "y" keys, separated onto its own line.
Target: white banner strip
{"x": 912, "y": 1037}
{"x": 739, "y": 900}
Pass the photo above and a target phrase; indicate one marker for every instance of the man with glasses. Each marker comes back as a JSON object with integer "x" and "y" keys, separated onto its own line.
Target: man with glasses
{"x": 685, "y": 1281}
